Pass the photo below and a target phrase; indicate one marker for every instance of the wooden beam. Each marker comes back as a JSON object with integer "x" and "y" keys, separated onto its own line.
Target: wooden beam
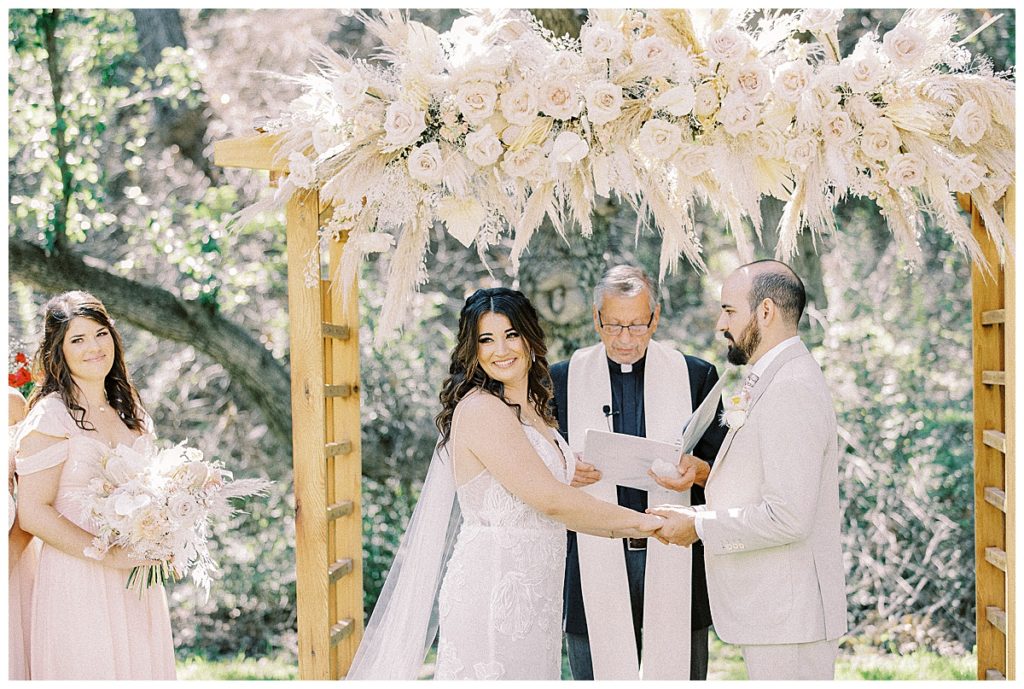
{"x": 988, "y": 307}
{"x": 994, "y": 439}
{"x": 996, "y": 617}
{"x": 338, "y": 390}
{"x": 993, "y": 377}
{"x": 339, "y": 569}
{"x": 338, "y": 332}
{"x": 996, "y": 557}
{"x": 252, "y": 152}
{"x": 339, "y": 510}
{"x": 341, "y": 447}
{"x": 996, "y": 498}
{"x": 993, "y": 317}
{"x": 308, "y": 443}
{"x": 341, "y": 631}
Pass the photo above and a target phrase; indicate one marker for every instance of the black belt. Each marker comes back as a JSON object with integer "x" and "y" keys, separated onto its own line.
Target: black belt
{"x": 636, "y": 544}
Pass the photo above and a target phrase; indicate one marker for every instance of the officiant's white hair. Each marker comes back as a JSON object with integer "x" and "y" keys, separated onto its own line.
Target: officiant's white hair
{"x": 624, "y": 281}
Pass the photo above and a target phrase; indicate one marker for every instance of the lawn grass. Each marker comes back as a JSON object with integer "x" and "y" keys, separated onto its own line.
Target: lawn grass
{"x": 726, "y": 662}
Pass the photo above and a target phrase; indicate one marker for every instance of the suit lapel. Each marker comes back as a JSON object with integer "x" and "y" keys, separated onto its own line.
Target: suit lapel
{"x": 784, "y": 357}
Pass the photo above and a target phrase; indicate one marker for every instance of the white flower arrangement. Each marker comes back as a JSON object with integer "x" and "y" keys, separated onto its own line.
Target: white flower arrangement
{"x": 158, "y": 504}
{"x": 661, "y": 108}
{"x": 734, "y": 409}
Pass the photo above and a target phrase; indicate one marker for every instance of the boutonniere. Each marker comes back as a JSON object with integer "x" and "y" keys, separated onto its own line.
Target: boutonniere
{"x": 734, "y": 412}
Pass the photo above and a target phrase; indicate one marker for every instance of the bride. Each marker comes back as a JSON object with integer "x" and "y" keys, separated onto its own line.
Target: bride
{"x": 487, "y": 540}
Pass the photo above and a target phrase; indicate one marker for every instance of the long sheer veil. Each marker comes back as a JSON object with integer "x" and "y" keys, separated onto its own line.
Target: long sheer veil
{"x": 404, "y": 621}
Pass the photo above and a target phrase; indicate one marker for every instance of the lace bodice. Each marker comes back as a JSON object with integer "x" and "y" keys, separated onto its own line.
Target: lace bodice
{"x": 485, "y": 502}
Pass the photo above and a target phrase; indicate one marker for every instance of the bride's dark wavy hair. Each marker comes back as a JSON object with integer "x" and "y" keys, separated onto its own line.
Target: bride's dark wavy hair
{"x": 52, "y": 373}
{"x": 465, "y": 372}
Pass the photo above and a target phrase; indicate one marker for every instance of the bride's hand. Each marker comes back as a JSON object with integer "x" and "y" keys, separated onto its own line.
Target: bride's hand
{"x": 647, "y": 526}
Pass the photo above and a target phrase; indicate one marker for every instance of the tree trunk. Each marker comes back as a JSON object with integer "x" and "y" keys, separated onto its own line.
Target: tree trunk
{"x": 180, "y": 125}
{"x": 264, "y": 379}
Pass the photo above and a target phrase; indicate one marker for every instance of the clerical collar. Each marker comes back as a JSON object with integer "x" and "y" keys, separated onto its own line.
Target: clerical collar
{"x": 635, "y": 367}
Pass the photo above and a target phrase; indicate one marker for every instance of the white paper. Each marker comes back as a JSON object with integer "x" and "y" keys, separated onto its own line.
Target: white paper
{"x": 624, "y": 460}
{"x": 702, "y": 418}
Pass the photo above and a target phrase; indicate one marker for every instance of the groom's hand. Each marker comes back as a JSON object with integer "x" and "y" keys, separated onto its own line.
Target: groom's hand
{"x": 585, "y": 473}
{"x": 678, "y": 528}
{"x": 691, "y": 470}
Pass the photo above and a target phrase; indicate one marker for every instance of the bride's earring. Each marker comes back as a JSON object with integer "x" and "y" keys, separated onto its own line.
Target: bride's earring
{"x": 533, "y": 357}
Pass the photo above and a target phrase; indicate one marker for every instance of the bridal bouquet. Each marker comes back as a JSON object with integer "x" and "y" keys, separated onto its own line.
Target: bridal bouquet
{"x": 158, "y": 504}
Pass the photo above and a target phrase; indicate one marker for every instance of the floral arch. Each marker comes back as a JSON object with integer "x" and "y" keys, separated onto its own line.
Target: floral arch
{"x": 496, "y": 125}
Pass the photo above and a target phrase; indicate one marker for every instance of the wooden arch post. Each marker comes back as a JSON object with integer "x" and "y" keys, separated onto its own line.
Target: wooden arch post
{"x": 994, "y": 323}
{"x": 326, "y": 450}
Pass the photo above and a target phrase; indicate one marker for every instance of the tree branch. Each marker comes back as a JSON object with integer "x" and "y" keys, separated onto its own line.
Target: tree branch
{"x": 181, "y": 125}
{"x": 46, "y": 23}
{"x": 265, "y": 379}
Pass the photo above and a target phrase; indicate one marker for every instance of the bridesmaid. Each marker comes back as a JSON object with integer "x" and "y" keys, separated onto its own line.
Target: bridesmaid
{"x": 85, "y": 623}
{"x": 22, "y": 555}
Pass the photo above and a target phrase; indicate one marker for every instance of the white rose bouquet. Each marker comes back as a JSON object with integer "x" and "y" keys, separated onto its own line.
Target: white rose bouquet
{"x": 158, "y": 504}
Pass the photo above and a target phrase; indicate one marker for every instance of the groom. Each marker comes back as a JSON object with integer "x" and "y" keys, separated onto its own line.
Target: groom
{"x": 770, "y": 527}
{"x": 630, "y": 370}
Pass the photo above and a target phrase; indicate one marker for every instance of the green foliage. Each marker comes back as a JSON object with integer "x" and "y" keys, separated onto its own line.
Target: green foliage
{"x": 238, "y": 667}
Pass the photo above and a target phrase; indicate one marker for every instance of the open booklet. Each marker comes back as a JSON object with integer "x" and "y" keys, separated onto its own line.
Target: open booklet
{"x": 625, "y": 459}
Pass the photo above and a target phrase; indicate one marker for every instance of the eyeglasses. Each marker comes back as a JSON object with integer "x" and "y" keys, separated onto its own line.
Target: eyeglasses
{"x": 614, "y": 329}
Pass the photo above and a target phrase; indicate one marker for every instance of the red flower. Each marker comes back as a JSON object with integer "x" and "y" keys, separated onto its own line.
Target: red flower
{"x": 21, "y": 358}
{"x": 20, "y": 377}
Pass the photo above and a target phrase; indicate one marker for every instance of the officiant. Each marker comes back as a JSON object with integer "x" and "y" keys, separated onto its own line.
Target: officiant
{"x": 634, "y": 385}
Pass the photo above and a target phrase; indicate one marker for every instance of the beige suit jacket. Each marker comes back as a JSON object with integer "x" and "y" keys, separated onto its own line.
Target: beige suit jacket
{"x": 771, "y": 523}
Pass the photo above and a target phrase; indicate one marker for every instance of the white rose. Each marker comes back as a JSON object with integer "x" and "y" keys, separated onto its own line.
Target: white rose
{"x": 403, "y": 125}
{"x": 519, "y": 104}
{"x": 836, "y": 127}
{"x": 483, "y": 146}
{"x": 753, "y": 80}
{"x": 864, "y": 72}
{"x": 880, "y": 140}
{"x": 966, "y": 175}
{"x": 802, "y": 150}
{"x": 558, "y": 98}
{"x": 300, "y": 170}
{"x": 971, "y": 123}
{"x": 705, "y": 99}
{"x": 183, "y": 508}
{"x": 792, "y": 79}
{"x": 658, "y": 139}
{"x": 676, "y": 101}
{"x": 524, "y": 162}
{"x": 565, "y": 62}
{"x": 820, "y": 19}
{"x": 728, "y": 45}
{"x": 738, "y": 114}
{"x": 693, "y": 159}
{"x": 601, "y": 41}
{"x": 655, "y": 55}
{"x": 425, "y": 164}
{"x": 476, "y": 100}
{"x": 906, "y": 170}
{"x": 349, "y": 89}
{"x": 569, "y": 148}
{"x": 768, "y": 143}
{"x": 904, "y": 45}
{"x": 604, "y": 101}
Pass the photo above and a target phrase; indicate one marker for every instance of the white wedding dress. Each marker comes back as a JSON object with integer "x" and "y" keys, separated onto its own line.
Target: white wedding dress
{"x": 500, "y": 604}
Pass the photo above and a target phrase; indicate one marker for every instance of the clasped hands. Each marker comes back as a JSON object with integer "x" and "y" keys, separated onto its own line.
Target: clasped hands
{"x": 676, "y": 523}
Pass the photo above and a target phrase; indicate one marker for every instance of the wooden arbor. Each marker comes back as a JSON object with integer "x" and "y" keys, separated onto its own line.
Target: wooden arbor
{"x": 326, "y": 451}
{"x": 327, "y": 459}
